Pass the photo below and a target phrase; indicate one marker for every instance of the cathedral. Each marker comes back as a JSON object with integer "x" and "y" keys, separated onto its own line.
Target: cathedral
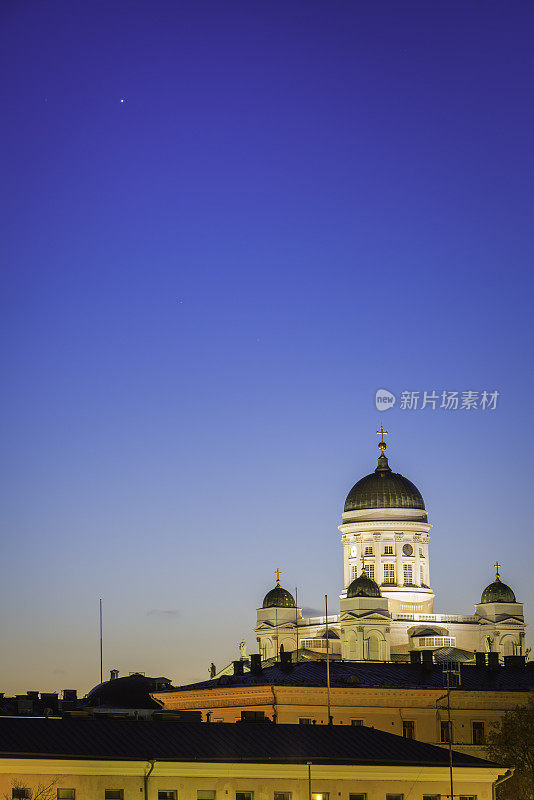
{"x": 386, "y": 605}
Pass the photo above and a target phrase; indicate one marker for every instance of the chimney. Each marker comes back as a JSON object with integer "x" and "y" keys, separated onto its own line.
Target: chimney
{"x": 286, "y": 660}
{"x": 113, "y": 674}
{"x": 514, "y": 661}
{"x": 255, "y": 664}
{"x": 493, "y": 660}
{"x": 415, "y": 657}
{"x": 238, "y": 668}
{"x": 70, "y": 694}
{"x": 480, "y": 659}
{"x": 428, "y": 659}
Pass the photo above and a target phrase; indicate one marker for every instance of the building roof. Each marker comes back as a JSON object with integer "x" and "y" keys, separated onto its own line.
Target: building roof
{"x": 363, "y": 586}
{"x": 131, "y": 691}
{"x": 384, "y": 489}
{"x": 108, "y": 739}
{"x": 278, "y": 598}
{"x": 351, "y": 674}
{"x": 497, "y": 592}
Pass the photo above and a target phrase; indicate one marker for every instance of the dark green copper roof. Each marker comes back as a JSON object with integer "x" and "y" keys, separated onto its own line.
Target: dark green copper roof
{"x": 362, "y": 586}
{"x": 384, "y": 489}
{"x": 497, "y": 592}
{"x": 278, "y": 598}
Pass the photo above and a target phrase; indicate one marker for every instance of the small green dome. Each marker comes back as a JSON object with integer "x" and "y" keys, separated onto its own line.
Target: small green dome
{"x": 498, "y": 592}
{"x": 362, "y": 586}
{"x": 384, "y": 489}
{"x": 278, "y": 598}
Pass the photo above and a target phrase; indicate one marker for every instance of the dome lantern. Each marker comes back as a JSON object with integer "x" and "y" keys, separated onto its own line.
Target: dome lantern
{"x": 384, "y": 488}
{"x": 278, "y": 597}
{"x": 497, "y": 592}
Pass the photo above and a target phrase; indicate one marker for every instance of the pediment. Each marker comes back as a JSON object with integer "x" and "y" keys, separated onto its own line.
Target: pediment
{"x": 381, "y": 615}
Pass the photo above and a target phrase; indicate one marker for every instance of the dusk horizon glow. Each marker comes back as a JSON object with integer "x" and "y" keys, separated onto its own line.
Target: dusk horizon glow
{"x": 225, "y": 229}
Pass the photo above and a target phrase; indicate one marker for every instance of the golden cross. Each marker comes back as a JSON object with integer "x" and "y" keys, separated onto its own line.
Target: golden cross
{"x": 278, "y": 577}
{"x": 381, "y": 444}
{"x": 363, "y": 565}
{"x": 497, "y": 565}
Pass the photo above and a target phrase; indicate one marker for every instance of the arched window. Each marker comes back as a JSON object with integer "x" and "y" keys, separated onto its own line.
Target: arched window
{"x": 509, "y": 646}
{"x": 353, "y": 645}
{"x": 374, "y": 648}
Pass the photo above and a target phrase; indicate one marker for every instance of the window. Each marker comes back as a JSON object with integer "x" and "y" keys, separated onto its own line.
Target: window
{"x": 370, "y": 571}
{"x": 422, "y": 555}
{"x": 408, "y": 576}
{"x": 394, "y": 797}
{"x": 437, "y": 641}
{"x": 389, "y": 573}
{"x": 373, "y": 648}
{"x": 445, "y": 737}
{"x": 408, "y": 729}
{"x": 206, "y": 794}
{"x": 388, "y": 551}
{"x": 282, "y": 796}
{"x": 353, "y": 572}
{"x": 114, "y": 794}
{"x": 431, "y": 797}
{"x": 166, "y": 795}
{"x": 305, "y": 721}
{"x": 320, "y": 795}
{"x": 20, "y": 793}
{"x": 368, "y": 551}
{"x": 315, "y": 644}
{"x": 361, "y": 796}
{"x": 253, "y": 716}
{"x": 468, "y": 797}
{"x": 66, "y": 794}
{"x": 356, "y": 722}
{"x": 422, "y": 574}
{"x": 478, "y": 733}
{"x": 244, "y": 795}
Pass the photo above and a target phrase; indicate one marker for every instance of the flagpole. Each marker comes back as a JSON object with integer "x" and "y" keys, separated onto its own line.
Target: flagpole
{"x": 297, "y": 620}
{"x": 101, "y": 660}
{"x": 327, "y": 661}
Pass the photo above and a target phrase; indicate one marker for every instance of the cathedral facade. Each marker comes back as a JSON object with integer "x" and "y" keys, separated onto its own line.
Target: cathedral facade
{"x": 386, "y": 604}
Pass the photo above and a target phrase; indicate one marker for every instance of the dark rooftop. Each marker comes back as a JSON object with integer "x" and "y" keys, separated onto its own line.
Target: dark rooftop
{"x": 131, "y": 691}
{"x": 370, "y": 675}
{"x": 216, "y": 742}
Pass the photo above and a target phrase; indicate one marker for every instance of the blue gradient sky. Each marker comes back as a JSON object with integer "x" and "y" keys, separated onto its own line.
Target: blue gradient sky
{"x": 203, "y": 286}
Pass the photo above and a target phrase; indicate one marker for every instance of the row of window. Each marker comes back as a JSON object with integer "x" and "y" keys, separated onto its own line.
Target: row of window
{"x": 118, "y": 794}
{"x": 437, "y": 641}
{"x": 389, "y": 573}
{"x": 315, "y": 644}
{"x": 478, "y": 729}
{"x": 478, "y": 733}
{"x": 388, "y": 551}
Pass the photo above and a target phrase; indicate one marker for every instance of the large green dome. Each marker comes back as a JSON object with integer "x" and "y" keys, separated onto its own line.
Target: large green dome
{"x": 278, "y": 598}
{"x": 384, "y": 489}
{"x": 498, "y": 592}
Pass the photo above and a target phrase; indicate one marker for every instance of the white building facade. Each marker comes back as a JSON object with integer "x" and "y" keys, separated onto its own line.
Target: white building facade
{"x": 386, "y": 605}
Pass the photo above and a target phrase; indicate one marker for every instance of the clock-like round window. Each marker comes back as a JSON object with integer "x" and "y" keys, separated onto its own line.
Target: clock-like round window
{"x": 407, "y": 550}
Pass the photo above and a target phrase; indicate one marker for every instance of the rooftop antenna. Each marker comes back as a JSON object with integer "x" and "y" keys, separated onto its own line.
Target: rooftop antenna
{"x": 327, "y": 661}
{"x": 452, "y": 679}
{"x": 297, "y": 621}
{"x": 101, "y": 659}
